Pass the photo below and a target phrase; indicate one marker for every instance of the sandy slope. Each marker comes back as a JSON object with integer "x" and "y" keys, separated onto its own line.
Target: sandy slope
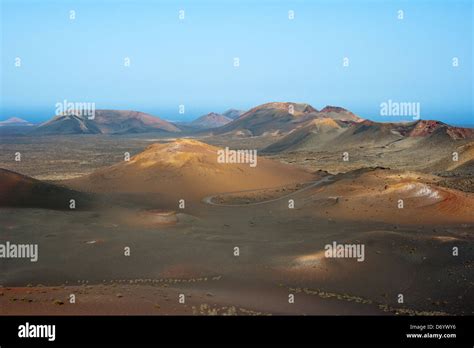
{"x": 375, "y": 194}
{"x": 187, "y": 169}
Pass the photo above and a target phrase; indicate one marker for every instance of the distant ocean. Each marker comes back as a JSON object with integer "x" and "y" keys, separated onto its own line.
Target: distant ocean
{"x": 41, "y": 114}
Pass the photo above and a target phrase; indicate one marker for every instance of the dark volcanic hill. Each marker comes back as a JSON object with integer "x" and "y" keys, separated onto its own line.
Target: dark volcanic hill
{"x": 105, "y": 122}
{"x": 270, "y": 118}
{"x": 17, "y": 190}
{"x": 311, "y": 136}
{"x": 15, "y": 126}
{"x": 283, "y": 118}
{"x": 369, "y": 133}
{"x": 347, "y": 134}
{"x": 67, "y": 124}
{"x": 338, "y": 113}
{"x": 15, "y": 122}
{"x": 233, "y": 113}
{"x": 436, "y": 128}
{"x": 211, "y": 120}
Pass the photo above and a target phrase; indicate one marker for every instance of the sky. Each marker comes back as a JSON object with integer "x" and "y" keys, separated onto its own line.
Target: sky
{"x": 190, "y": 61}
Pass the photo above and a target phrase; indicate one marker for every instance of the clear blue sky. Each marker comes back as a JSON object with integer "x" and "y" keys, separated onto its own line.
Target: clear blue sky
{"x": 190, "y": 62}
